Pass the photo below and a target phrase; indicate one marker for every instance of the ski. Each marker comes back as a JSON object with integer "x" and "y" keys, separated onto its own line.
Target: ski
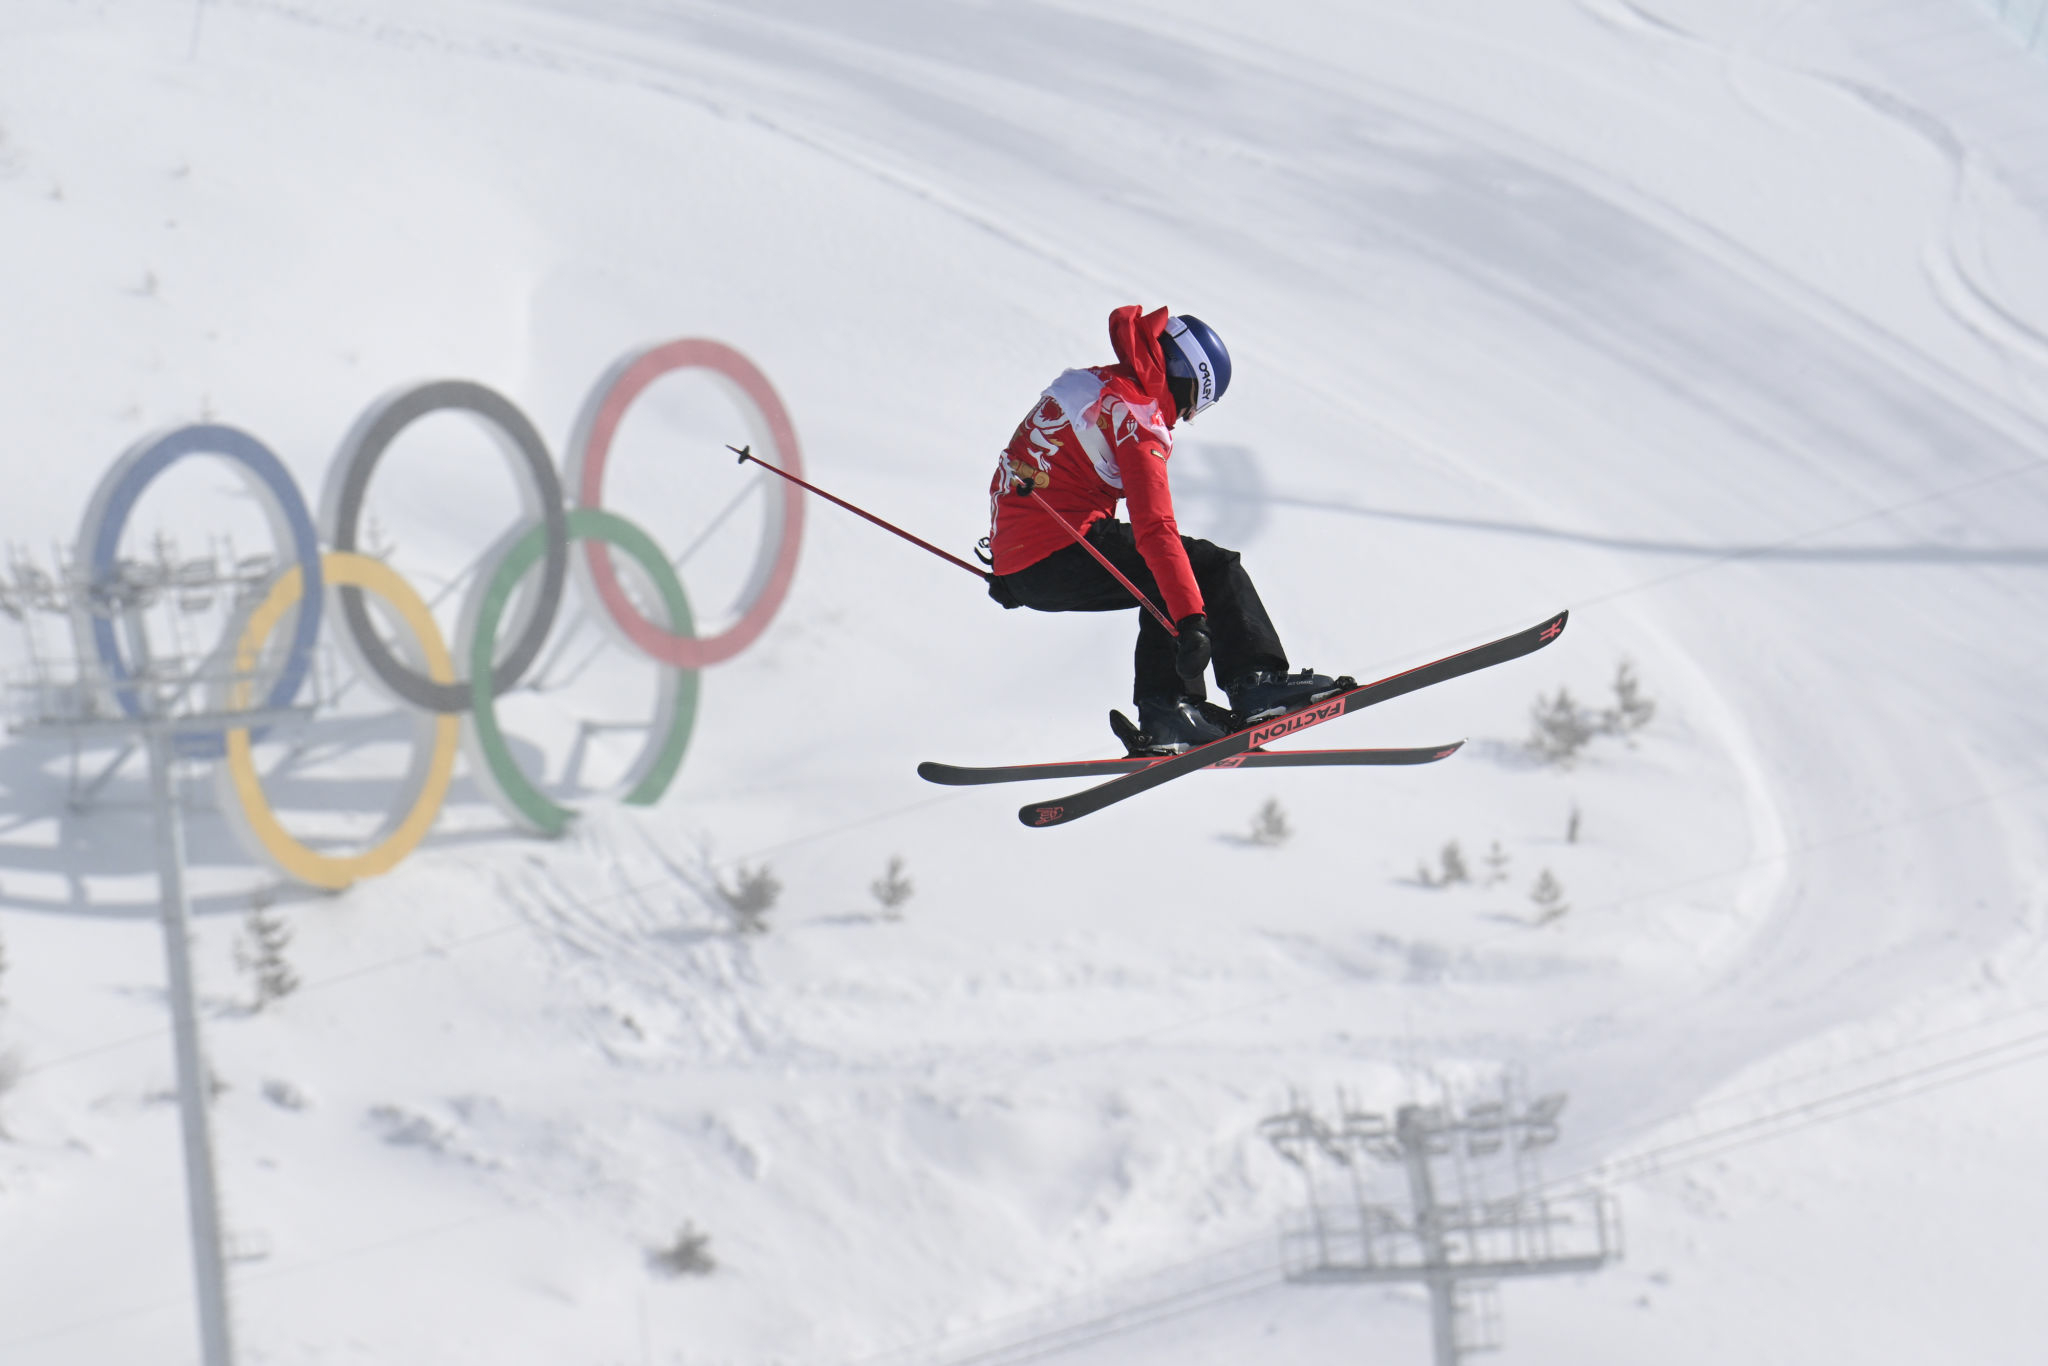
{"x": 1239, "y": 743}
{"x": 953, "y": 775}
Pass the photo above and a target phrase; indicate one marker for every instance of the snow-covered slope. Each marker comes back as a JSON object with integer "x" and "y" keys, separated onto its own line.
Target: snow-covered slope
{"x": 1719, "y": 322}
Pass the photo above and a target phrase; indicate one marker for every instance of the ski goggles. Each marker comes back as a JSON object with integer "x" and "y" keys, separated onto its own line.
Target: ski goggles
{"x": 1189, "y": 362}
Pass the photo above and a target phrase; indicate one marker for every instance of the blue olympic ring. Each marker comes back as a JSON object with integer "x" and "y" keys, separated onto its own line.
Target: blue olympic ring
{"x": 290, "y": 520}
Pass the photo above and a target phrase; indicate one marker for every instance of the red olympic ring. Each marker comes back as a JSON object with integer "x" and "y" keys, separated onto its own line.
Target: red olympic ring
{"x": 590, "y": 446}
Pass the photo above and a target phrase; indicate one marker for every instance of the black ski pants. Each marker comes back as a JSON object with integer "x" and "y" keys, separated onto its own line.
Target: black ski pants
{"x": 1072, "y": 580}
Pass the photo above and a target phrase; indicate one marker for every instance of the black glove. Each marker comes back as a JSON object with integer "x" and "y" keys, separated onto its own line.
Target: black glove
{"x": 1192, "y": 650}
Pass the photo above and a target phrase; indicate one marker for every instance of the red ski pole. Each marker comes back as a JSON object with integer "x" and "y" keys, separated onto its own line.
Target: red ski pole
{"x": 1026, "y": 490}
{"x": 746, "y": 453}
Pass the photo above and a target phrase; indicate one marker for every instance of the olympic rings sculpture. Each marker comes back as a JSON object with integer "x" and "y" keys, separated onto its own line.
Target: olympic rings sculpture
{"x": 501, "y": 631}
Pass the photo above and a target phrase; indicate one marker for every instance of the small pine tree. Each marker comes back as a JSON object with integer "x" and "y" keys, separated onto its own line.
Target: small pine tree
{"x": 1453, "y": 860}
{"x": 1631, "y": 710}
{"x": 1559, "y": 728}
{"x": 260, "y": 952}
{"x": 1571, "y": 826}
{"x": 1548, "y": 894}
{"x": 751, "y": 895}
{"x": 1270, "y": 826}
{"x": 1496, "y": 865}
{"x": 688, "y": 1255}
{"x": 892, "y": 888}
{"x": 1424, "y": 876}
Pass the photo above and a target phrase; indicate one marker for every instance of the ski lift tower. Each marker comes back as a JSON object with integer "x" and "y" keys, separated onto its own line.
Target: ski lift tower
{"x": 154, "y": 694}
{"x": 1453, "y": 1234}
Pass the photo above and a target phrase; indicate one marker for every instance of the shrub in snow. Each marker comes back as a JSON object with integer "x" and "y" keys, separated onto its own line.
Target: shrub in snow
{"x": 260, "y": 953}
{"x": 688, "y": 1255}
{"x": 750, "y": 896}
{"x": 892, "y": 888}
{"x": 1631, "y": 710}
{"x": 1559, "y": 728}
{"x": 404, "y": 1128}
{"x": 1453, "y": 861}
{"x": 1548, "y": 894}
{"x": 1270, "y": 826}
{"x": 1450, "y": 868}
{"x": 283, "y": 1094}
{"x": 1496, "y": 865}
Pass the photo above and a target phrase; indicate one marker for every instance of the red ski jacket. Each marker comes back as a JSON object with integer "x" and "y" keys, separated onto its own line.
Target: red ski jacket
{"x": 1096, "y": 436}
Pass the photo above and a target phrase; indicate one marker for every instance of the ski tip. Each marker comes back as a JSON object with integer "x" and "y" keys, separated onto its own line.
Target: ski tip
{"x": 946, "y": 774}
{"x": 1552, "y": 629}
{"x": 1038, "y": 817}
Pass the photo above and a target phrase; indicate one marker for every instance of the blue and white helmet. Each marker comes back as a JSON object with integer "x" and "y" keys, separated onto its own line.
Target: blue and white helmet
{"x": 1197, "y": 366}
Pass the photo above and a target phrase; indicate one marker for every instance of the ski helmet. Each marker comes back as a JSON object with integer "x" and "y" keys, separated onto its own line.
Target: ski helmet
{"x": 1197, "y": 366}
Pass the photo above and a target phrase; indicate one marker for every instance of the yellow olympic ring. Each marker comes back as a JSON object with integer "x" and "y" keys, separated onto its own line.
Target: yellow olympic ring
{"x": 292, "y": 856}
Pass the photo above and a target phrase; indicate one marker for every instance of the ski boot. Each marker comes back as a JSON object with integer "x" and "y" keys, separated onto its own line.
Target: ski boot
{"x": 1263, "y": 694}
{"x": 1170, "y": 725}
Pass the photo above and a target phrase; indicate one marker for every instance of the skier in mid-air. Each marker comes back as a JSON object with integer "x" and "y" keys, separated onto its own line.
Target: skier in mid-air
{"x": 1104, "y": 434}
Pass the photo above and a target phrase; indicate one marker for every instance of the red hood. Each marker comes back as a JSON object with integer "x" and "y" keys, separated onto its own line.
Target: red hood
{"x": 1135, "y": 335}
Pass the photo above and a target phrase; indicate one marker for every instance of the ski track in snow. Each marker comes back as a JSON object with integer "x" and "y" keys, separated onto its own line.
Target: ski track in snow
{"x": 1610, "y": 278}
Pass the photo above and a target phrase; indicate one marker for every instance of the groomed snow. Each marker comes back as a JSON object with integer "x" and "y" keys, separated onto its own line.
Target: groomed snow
{"x": 1720, "y": 322}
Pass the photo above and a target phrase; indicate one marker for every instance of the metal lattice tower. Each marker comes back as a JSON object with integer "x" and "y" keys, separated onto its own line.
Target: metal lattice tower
{"x": 1451, "y": 1234}
{"x": 164, "y": 699}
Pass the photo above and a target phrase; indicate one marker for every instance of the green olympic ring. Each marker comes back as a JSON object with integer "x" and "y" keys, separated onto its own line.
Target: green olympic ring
{"x": 676, "y": 706}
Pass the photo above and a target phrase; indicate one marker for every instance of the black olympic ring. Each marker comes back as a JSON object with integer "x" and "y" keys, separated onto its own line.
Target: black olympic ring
{"x": 341, "y": 507}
